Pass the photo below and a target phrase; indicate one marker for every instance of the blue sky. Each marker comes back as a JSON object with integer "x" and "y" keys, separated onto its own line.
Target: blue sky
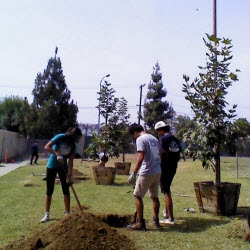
{"x": 121, "y": 38}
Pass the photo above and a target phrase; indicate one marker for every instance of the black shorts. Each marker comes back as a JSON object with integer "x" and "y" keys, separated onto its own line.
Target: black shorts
{"x": 50, "y": 180}
{"x": 167, "y": 177}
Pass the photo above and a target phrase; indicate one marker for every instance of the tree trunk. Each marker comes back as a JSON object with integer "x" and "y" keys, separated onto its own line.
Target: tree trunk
{"x": 217, "y": 164}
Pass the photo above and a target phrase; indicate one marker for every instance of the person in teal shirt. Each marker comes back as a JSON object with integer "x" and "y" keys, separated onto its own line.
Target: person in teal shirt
{"x": 62, "y": 148}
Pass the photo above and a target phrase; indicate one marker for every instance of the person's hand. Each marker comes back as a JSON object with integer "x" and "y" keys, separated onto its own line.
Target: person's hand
{"x": 132, "y": 178}
{"x": 59, "y": 158}
{"x": 69, "y": 180}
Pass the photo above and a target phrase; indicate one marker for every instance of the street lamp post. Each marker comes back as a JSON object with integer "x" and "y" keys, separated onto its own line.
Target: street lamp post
{"x": 139, "y": 115}
{"x": 99, "y": 108}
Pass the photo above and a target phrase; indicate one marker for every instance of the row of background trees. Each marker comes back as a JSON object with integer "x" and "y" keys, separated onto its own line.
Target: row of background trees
{"x": 53, "y": 111}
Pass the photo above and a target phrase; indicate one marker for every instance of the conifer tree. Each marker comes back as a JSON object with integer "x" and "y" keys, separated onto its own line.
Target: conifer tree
{"x": 52, "y": 105}
{"x": 156, "y": 109}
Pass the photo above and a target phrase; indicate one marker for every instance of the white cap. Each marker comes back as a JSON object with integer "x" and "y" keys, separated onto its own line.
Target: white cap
{"x": 160, "y": 124}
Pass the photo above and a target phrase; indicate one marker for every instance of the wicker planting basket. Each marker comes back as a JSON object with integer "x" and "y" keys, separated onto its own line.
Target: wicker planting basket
{"x": 122, "y": 168}
{"x": 104, "y": 175}
{"x": 221, "y": 199}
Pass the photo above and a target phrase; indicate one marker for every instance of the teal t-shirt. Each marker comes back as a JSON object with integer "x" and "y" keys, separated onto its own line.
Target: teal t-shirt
{"x": 63, "y": 146}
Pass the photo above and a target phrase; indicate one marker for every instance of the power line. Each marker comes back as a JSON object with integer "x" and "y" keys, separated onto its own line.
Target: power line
{"x": 120, "y": 86}
{"x": 89, "y": 107}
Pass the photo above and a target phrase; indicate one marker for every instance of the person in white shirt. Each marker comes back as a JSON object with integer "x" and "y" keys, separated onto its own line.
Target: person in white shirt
{"x": 148, "y": 162}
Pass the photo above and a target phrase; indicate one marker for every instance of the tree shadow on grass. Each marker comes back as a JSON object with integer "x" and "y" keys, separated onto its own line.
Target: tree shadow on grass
{"x": 119, "y": 184}
{"x": 243, "y": 211}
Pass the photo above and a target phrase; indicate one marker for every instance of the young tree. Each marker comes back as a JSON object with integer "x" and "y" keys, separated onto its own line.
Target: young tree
{"x": 207, "y": 97}
{"x": 107, "y": 100}
{"x": 52, "y": 102}
{"x": 154, "y": 108}
{"x": 113, "y": 133}
{"x": 121, "y": 121}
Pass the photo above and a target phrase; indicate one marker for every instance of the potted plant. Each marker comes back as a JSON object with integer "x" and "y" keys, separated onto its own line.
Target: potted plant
{"x": 105, "y": 138}
{"x": 112, "y": 134}
{"x": 207, "y": 97}
{"x": 102, "y": 175}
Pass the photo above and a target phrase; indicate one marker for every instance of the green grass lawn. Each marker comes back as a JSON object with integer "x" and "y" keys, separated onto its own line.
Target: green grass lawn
{"x": 22, "y": 207}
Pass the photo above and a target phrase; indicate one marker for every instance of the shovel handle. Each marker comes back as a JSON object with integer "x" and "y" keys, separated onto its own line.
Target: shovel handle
{"x": 77, "y": 200}
{"x": 73, "y": 190}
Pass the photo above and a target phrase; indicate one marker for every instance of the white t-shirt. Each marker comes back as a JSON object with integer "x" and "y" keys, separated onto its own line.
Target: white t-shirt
{"x": 150, "y": 146}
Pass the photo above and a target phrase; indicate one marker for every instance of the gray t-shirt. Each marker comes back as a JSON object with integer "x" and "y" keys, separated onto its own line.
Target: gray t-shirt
{"x": 150, "y": 146}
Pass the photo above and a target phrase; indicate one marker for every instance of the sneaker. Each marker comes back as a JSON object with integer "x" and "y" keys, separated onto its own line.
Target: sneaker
{"x": 36, "y": 163}
{"x": 165, "y": 214}
{"x": 167, "y": 221}
{"x": 45, "y": 218}
{"x": 137, "y": 226}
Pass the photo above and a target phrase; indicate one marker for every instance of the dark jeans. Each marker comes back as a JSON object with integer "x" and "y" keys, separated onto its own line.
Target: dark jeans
{"x": 50, "y": 179}
{"x": 32, "y": 157}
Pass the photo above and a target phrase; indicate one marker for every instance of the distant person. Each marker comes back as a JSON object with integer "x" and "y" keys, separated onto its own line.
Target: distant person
{"x": 103, "y": 158}
{"x": 170, "y": 155}
{"x": 34, "y": 153}
{"x": 148, "y": 162}
{"x": 62, "y": 148}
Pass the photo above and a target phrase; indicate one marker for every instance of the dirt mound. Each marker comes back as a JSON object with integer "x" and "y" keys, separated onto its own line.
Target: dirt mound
{"x": 75, "y": 172}
{"x": 77, "y": 232}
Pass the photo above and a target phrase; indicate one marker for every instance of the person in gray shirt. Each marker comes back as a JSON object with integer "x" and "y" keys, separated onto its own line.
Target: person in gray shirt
{"x": 148, "y": 162}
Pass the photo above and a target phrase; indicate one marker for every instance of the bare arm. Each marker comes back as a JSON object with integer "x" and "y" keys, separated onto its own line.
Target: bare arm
{"x": 48, "y": 147}
{"x": 139, "y": 161}
{"x": 70, "y": 165}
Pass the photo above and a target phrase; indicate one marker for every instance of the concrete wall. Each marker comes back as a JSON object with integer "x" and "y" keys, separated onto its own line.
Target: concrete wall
{"x": 13, "y": 145}
{"x": 17, "y": 147}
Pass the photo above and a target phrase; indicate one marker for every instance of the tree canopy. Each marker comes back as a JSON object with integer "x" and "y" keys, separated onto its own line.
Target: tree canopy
{"x": 13, "y": 110}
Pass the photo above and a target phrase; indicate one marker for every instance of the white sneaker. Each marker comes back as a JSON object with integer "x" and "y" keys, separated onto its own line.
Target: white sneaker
{"x": 45, "y": 218}
{"x": 165, "y": 214}
{"x": 167, "y": 221}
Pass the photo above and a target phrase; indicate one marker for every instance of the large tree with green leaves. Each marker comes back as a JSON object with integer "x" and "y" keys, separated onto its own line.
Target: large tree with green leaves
{"x": 52, "y": 105}
{"x": 182, "y": 124}
{"x": 155, "y": 108}
{"x": 13, "y": 113}
{"x": 240, "y": 129}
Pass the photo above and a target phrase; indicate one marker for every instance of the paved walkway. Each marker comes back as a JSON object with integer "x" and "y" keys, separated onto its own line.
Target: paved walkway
{"x": 5, "y": 168}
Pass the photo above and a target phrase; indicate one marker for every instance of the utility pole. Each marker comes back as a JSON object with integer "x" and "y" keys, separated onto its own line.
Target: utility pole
{"x": 139, "y": 114}
{"x": 215, "y": 19}
{"x": 217, "y": 146}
